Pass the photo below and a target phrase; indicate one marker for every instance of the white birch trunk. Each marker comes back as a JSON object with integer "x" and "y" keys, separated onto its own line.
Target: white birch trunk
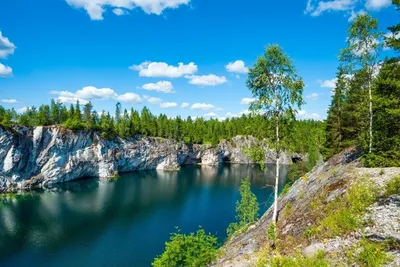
{"x": 370, "y": 118}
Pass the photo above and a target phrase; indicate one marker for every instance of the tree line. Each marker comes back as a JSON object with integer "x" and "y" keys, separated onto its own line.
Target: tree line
{"x": 126, "y": 124}
{"x": 365, "y": 107}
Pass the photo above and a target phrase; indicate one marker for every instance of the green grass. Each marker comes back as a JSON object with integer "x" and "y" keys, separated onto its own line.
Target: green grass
{"x": 297, "y": 260}
{"x": 344, "y": 215}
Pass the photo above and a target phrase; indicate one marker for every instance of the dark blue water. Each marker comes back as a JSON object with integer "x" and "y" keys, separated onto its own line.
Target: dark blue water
{"x": 123, "y": 223}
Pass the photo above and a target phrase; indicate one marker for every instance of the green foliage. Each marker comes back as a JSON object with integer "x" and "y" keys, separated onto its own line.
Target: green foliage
{"x": 369, "y": 254}
{"x": 297, "y": 260}
{"x": 256, "y": 154}
{"x": 271, "y": 232}
{"x": 393, "y": 187}
{"x": 196, "y": 249}
{"x": 246, "y": 208}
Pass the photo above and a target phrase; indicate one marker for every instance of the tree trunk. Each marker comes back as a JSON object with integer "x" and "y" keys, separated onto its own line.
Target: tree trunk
{"x": 370, "y": 117}
{"x": 275, "y": 215}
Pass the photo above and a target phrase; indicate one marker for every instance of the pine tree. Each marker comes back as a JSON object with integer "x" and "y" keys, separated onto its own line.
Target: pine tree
{"x": 334, "y": 121}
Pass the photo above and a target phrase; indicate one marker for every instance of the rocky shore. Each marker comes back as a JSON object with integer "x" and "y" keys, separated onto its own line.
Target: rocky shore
{"x": 41, "y": 156}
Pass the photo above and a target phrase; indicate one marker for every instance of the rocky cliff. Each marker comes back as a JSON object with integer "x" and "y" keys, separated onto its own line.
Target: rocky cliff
{"x": 340, "y": 214}
{"x": 41, "y": 156}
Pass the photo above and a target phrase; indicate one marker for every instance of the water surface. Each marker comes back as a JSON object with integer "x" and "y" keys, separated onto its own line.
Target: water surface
{"x": 126, "y": 222}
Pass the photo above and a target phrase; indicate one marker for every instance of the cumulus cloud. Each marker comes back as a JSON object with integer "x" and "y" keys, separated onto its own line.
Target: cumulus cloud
{"x": 211, "y": 114}
{"x": 89, "y": 93}
{"x": 316, "y": 9}
{"x": 120, "y": 11}
{"x": 353, "y": 15}
{"x": 130, "y": 98}
{"x": 206, "y": 80}
{"x": 313, "y": 96}
{"x": 168, "y": 105}
{"x": 185, "y": 105}
{"x": 304, "y": 115}
{"x": 377, "y": 4}
{"x": 162, "y": 86}
{"x": 9, "y": 101}
{"x": 328, "y": 83}
{"x": 5, "y": 70}
{"x": 247, "y": 101}
{"x": 152, "y": 100}
{"x": 22, "y": 110}
{"x": 6, "y": 46}
{"x": 162, "y": 69}
{"x": 96, "y": 8}
{"x": 202, "y": 106}
{"x": 237, "y": 67}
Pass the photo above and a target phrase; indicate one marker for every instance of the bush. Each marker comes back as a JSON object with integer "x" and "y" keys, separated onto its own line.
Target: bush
{"x": 393, "y": 187}
{"x": 246, "y": 209}
{"x": 196, "y": 249}
{"x": 369, "y": 254}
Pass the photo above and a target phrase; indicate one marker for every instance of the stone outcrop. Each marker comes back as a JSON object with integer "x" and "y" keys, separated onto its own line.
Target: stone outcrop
{"x": 330, "y": 180}
{"x": 41, "y": 156}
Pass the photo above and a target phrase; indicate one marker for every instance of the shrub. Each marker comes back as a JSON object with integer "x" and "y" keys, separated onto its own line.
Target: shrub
{"x": 369, "y": 254}
{"x": 393, "y": 187}
{"x": 196, "y": 249}
{"x": 246, "y": 209}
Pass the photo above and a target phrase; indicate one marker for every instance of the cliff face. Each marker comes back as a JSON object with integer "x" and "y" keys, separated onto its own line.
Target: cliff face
{"x": 41, "y": 156}
{"x": 335, "y": 209}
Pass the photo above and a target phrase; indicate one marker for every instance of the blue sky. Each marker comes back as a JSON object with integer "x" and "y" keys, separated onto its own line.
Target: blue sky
{"x": 170, "y": 55}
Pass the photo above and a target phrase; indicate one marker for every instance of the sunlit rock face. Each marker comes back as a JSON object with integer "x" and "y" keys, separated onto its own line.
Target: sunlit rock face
{"x": 42, "y": 156}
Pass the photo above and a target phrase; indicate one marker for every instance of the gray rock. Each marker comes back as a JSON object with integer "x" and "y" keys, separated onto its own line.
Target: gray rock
{"x": 42, "y": 156}
{"x": 311, "y": 250}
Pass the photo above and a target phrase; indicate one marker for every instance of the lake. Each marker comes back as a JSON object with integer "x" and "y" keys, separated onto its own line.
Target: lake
{"x": 125, "y": 222}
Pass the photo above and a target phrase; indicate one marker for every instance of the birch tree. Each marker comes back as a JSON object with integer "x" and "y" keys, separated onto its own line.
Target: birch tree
{"x": 278, "y": 91}
{"x": 362, "y": 54}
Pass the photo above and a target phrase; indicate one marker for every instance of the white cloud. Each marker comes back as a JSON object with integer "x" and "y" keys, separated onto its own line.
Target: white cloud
{"x": 237, "y": 67}
{"x": 162, "y": 86}
{"x": 6, "y": 46}
{"x": 5, "y": 70}
{"x": 162, "y": 69}
{"x": 130, "y": 98}
{"x": 120, "y": 11}
{"x": 247, "y": 101}
{"x": 304, "y": 115}
{"x": 377, "y": 4}
{"x": 9, "y": 101}
{"x": 206, "y": 80}
{"x": 245, "y": 112}
{"x": 153, "y": 100}
{"x": 22, "y": 110}
{"x": 313, "y": 96}
{"x": 96, "y": 8}
{"x": 328, "y": 83}
{"x": 202, "y": 106}
{"x": 89, "y": 93}
{"x": 335, "y": 5}
{"x": 168, "y": 105}
{"x": 353, "y": 15}
{"x": 211, "y": 114}
{"x": 185, "y": 105}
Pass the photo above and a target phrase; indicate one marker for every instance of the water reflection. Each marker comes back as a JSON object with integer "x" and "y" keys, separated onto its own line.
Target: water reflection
{"x": 126, "y": 222}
